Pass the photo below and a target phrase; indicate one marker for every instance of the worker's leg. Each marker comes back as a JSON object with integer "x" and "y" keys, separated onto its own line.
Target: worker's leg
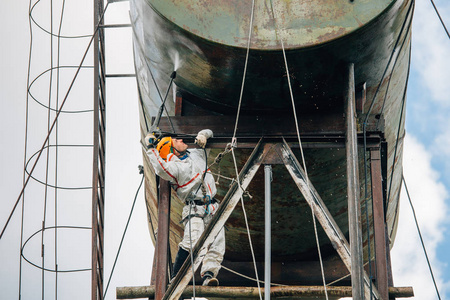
{"x": 179, "y": 260}
{"x": 214, "y": 256}
{"x": 193, "y": 229}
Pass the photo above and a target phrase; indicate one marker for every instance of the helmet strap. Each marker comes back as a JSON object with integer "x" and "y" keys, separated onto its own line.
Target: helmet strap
{"x": 179, "y": 152}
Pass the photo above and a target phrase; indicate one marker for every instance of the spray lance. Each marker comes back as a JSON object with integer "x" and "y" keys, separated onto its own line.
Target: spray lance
{"x": 154, "y": 134}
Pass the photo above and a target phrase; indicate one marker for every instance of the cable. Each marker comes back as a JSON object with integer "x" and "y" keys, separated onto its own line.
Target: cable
{"x": 53, "y": 109}
{"x": 301, "y": 151}
{"x": 250, "y": 278}
{"x": 56, "y": 186}
{"x": 48, "y": 32}
{"x": 398, "y": 135}
{"x": 154, "y": 82}
{"x": 233, "y": 140}
{"x": 365, "y": 127}
{"x": 48, "y": 154}
{"x": 421, "y": 239}
{"x": 56, "y": 141}
{"x": 442, "y": 22}
{"x": 54, "y": 122}
{"x": 141, "y": 171}
{"x": 246, "y": 224}
{"x": 25, "y": 145}
{"x": 245, "y": 69}
{"x": 46, "y": 269}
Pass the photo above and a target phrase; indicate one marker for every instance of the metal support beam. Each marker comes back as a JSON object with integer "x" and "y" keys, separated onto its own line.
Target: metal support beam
{"x": 162, "y": 240}
{"x": 268, "y": 232}
{"x": 317, "y": 131}
{"x": 277, "y": 292}
{"x": 321, "y": 212}
{"x": 379, "y": 224}
{"x": 354, "y": 210}
{"x": 227, "y": 206}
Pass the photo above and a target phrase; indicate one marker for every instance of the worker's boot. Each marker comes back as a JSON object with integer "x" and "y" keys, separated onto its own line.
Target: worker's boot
{"x": 179, "y": 260}
{"x": 209, "y": 279}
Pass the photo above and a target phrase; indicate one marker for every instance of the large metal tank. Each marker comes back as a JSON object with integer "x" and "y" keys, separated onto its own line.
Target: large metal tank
{"x": 206, "y": 43}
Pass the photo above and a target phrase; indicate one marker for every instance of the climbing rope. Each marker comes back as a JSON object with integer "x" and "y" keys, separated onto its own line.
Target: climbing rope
{"x": 250, "y": 278}
{"x": 233, "y": 143}
{"x": 250, "y": 31}
{"x": 278, "y": 284}
{"x": 246, "y": 225}
{"x": 301, "y": 150}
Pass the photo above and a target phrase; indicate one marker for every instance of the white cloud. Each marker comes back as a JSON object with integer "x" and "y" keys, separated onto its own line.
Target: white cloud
{"x": 441, "y": 150}
{"x": 441, "y": 144}
{"x": 428, "y": 196}
{"x": 430, "y": 52}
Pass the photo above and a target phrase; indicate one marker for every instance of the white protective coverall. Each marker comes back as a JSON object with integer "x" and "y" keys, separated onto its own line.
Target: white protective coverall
{"x": 186, "y": 175}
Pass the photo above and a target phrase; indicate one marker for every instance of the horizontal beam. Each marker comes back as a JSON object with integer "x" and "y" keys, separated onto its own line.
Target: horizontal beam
{"x": 115, "y": 26}
{"x": 256, "y": 125}
{"x": 321, "y": 131}
{"x": 327, "y": 124}
{"x": 252, "y": 292}
{"x": 119, "y": 75}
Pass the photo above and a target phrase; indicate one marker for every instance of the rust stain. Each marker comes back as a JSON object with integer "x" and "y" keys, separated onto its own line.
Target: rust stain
{"x": 331, "y": 35}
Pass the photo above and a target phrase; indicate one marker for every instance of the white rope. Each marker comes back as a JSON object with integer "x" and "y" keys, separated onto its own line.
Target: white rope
{"x": 234, "y": 139}
{"x": 246, "y": 225}
{"x": 250, "y": 278}
{"x": 245, "y": 69}
{"x": 278, "y": 284}
{"x": 301, "y": 149}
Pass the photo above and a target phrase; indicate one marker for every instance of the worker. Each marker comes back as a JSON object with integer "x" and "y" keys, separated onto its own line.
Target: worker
{"x": 187, "y": 172}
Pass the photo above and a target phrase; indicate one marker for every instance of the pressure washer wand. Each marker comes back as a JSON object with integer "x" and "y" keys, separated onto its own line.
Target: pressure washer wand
{"x": 154, "y": 128}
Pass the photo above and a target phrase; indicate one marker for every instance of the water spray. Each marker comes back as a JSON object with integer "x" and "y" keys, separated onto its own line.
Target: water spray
{"x": 154, "y": 128}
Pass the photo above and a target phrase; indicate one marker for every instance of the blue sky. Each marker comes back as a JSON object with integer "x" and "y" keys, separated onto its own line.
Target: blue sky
{"x": 426, "y": 157}
{"x": 426, "y": 154}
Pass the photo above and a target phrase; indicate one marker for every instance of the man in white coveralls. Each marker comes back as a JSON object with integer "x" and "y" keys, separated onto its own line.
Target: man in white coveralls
{"x": 187, "y": 172}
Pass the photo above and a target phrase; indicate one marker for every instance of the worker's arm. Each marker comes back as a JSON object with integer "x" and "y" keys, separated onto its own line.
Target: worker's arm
{"x": 203, "y": 136}
{"x": 166, "y": 170}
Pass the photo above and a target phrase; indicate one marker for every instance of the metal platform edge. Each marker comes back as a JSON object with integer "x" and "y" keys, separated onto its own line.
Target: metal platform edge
{"x": 277, "y": 292}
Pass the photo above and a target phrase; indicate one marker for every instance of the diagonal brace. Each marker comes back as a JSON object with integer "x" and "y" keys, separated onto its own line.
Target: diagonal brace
{"x": 227, "y": 206}
{"x": 320, "y": 210}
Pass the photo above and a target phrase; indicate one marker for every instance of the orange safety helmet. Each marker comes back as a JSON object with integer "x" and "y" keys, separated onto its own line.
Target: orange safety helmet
{"x": 164, "y": 147}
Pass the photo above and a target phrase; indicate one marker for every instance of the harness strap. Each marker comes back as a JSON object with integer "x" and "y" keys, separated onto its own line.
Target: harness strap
{"x": 191, "y": 215}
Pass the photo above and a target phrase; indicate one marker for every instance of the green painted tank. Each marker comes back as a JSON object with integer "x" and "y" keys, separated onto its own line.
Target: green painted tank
{"x": 206, "y": 43}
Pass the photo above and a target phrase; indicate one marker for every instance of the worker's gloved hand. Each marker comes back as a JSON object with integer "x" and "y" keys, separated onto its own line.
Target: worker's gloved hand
{"x": 201, "y": 140}
{"x": 149, "y": 140}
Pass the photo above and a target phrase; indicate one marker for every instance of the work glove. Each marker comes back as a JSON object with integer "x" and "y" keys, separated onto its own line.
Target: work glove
{"x": 201, "y": 140}
{"x": 149, "y": 140}
{"x": 202, "y": 137}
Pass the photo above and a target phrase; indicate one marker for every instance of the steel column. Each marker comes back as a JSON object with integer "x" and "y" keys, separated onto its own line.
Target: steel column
{"x": 379, "y": 224}
{"x": 268, "y": 231}
{"x": 162, "y": 239}
{"x": 227, "y": 206}
{"x": 354, "y": 211}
